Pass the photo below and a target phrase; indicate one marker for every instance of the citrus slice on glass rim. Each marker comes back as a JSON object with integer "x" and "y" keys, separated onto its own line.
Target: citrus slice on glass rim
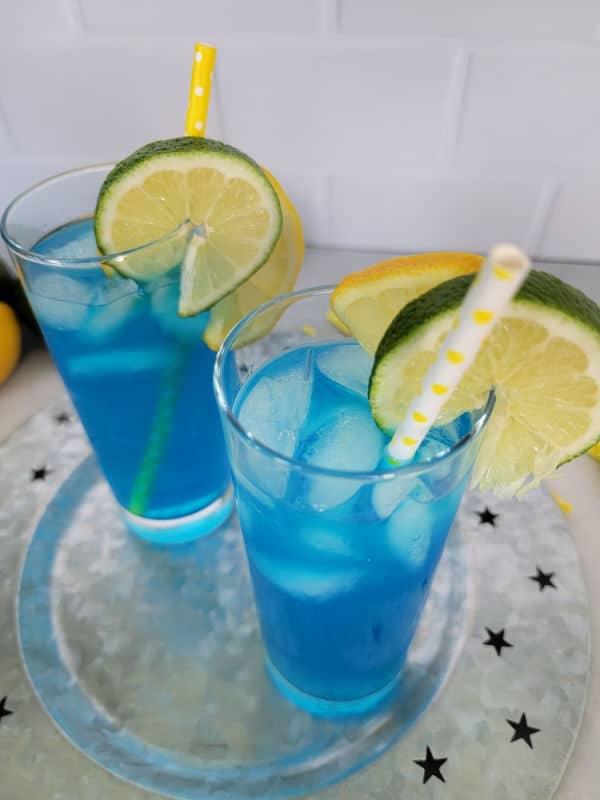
{"x": 197, "y": 202}
{"x": 542, "y": 359}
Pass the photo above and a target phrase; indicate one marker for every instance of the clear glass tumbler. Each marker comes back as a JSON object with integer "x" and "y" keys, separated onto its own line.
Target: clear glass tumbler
{"x": 139, "y": 376}
{"x": 342, "y": 560}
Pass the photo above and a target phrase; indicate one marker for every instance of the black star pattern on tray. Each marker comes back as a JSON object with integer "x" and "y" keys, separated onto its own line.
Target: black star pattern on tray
{"x": 4, "y": 712}
{"x": 522, "y": 730}
{"x": 431, "y": 766}
{"x": 543, "y": 578}
{"x": 497, "y": 640}
{"x": 39, "y": 474}
{"x": 487, "y": 517}
{"x": 62, "y": 418}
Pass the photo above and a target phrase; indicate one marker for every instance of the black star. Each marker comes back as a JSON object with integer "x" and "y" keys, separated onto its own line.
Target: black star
{"x": 39, "y": 474}
{"x": 497, "y": 640}
{"x": 431, "y": 767}
{"x": 543, "y": 578}
{"x": 522, "y": 730}
{"x": 62, "y": 418}
{"x": 4, "y": 712}
{"x": 487, "y": 516}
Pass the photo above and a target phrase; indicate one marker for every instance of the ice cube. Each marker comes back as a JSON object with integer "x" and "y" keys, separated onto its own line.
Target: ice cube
{"x": 442, "y": 476}
{"x": 274, "y": 411}
{"x": 387, "y": 495}
{"x": 105, "y": 320}
{"x": 409, "y": 532}
{"x": 296, "y": 578}
{"x": 346, "y": 365}
{"x": 165, "y": 302}
{"x": 275, "y": 408}
{"x": 321, "y": 541}
{"x": 84, "y": 246}
{"x": 59, "y": 301}
{"x": 118, "y": 362}
{"x": 348, "y": 440}
{"x": 114, "y": 288}
{"x": 438, "y": 441}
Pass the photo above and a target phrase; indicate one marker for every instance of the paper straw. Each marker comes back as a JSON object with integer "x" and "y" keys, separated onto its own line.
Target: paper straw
{"x": 200, "y": 87}
{"x": 499, "y": 279}
{"x": 162, "y": 422}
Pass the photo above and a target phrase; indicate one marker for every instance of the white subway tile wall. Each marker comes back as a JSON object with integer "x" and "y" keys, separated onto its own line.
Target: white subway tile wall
{"x": 30, "y": 17}
{"x": 537, "y": 111}
{"x": 95, "y": 100}
{"x": 339, "y": 109}
{"x": 573, "y": 230}
{"x": 510, "y": 20}
{"x": 206, "y": 18}
{"x": 393, "y": 125}
{"x": 432, "y": 213}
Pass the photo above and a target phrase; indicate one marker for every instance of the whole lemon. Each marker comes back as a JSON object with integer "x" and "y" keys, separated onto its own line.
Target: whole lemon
{"x": 10, "y": 341}
{"x": 595, "y": 452}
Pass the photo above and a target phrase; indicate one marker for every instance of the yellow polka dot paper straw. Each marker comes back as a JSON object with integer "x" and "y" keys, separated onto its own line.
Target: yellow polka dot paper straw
{"x": 202, "y": 75}
{"x": 501, "y": 275}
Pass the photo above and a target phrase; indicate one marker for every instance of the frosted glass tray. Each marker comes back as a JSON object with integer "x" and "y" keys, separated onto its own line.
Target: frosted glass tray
{"x": 149, "y": 661}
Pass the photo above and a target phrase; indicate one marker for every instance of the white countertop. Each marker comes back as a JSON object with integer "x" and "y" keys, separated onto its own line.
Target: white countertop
{"x": 35, "y": 384}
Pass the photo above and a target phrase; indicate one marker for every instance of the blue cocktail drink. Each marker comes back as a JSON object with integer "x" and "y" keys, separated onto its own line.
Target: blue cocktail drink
{"x": 138, "y": 374}
{"x": 135, "y": 371}
{"x": 342, "y": 548}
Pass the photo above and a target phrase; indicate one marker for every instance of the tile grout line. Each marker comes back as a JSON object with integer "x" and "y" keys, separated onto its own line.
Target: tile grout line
{"x": 330, "y": 17}
{"x": 219, "y": 105}
{"x": 542, "y": 212}
{"x": 455, "y": 104}
{"x": 75, "y": 16}
{"x": 325, "y": 208}
{"x": 8, "y": 131}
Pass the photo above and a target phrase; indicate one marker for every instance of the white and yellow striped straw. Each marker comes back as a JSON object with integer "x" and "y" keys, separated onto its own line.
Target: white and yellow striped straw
{"x": 200, "y": 86}
{"x": 499, "y": 279}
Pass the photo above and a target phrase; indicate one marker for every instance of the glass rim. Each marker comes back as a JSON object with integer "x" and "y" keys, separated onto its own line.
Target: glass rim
{"x": 387, "y": 473}
{"x": 77, "y": 262}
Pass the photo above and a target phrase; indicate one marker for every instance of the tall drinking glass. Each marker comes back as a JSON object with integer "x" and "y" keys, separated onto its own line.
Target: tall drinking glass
{"x": 140, "y": 377}
{"x": 342, "y": 548}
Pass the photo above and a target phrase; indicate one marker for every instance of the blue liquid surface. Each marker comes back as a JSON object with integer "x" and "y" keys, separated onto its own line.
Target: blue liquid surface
{"x": 341, "y": 567}
{"x": 139, "y": 376}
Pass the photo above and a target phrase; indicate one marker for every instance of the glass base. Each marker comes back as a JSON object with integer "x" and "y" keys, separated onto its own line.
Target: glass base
{"x": 182, "y": 529}
{"x": 320, "y": 707}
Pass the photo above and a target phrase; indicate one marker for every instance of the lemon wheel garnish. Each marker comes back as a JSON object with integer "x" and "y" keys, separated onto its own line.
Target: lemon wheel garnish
{"x": 276, "y": 277}
{"x": 366, "y": 302}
